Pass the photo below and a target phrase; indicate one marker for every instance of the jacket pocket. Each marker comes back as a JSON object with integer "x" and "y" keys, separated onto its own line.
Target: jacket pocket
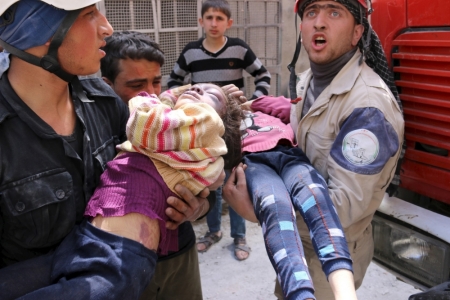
{"x": 34, "y": 192}
{"x": 35, "y": 209}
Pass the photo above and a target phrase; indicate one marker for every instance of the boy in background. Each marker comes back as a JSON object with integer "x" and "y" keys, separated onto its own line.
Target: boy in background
{"x": 219, "y": 59}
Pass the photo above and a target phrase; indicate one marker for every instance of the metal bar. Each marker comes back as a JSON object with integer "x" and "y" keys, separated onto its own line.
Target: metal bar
{"x": 156, "y": 20}
{"x": 132, "y": 16}
{"x": 423, "y": 86}
{"x": 421, "y": 43}
{"x": 429, "y": 101}
{"x": 430, "y": 72}
{"x": 423, "y": 57}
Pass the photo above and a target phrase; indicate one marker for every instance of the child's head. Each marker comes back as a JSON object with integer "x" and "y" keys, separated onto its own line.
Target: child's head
{"x": 216, "y": 18}
{"x": 217, "y": 5}
{"x": 204, "y": 93}
{"x": 228, "y": 109}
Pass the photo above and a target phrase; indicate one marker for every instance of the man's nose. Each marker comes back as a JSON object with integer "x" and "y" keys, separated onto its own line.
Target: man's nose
{"x": 320, "y": 22}
{"x": 150, "y": 89}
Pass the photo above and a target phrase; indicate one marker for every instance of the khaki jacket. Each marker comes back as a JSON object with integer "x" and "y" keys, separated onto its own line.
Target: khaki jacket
{"x": 358, "y": 102}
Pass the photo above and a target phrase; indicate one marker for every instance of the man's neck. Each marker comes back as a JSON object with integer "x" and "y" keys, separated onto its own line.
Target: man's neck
{"x": 324, "y": 74}
{"x": 214, "y": 44}
{"x": 322, "y": 77}
{"x": 321, "y": 72}
{"x": 44, "y": 93}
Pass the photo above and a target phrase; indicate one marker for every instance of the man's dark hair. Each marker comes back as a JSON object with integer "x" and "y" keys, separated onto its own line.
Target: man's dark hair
{"x": 128, "y": 44}
{"x": 220, "y": 5}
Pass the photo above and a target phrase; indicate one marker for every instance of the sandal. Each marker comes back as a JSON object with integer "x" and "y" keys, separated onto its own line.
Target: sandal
{"x": 208, "y": 240}
{"x": 240, "y": 245}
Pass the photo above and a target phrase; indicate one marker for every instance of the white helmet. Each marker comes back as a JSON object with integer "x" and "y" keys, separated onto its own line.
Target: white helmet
{"x": 62, "y": 4}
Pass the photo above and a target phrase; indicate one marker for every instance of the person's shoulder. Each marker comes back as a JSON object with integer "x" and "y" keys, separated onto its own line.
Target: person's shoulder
{"x": 193, "y": 45}
{"x": 5, "y": 108}
{"x": 232, "y": 41}
{"x": 96, "y": 89}
{"x": 4, "y": 111}
{"x": 370, "y": 77}
{"x": 372, "y": 91}
{"x": 372, "y": 83}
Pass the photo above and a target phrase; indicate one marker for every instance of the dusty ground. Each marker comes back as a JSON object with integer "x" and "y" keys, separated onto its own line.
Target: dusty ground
{"x": 225, "y": 278}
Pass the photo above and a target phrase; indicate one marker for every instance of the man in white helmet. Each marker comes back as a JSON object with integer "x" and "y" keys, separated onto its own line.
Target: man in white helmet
{"x": 349, "y": 123}
{"x": 57, "y": 133}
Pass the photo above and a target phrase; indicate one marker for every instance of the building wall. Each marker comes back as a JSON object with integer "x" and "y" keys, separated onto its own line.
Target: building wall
{"x": 268, "y": 26}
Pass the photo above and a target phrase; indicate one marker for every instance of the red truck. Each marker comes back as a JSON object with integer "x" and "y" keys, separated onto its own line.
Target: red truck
{"x": 412, "y": 229}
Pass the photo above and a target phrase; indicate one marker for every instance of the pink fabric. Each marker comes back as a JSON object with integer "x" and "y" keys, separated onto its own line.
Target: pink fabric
{"x": 130, "y": 184}
{"x": 279, "y": 107}
{"x": 268, "y": 126}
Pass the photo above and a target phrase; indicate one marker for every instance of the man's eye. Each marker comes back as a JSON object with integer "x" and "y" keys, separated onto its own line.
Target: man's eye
{"x": 156, "y": 83}
{"x": 310, "y": 13}
{"x": 137, "y": 86}
{"x": 335, "y": 14}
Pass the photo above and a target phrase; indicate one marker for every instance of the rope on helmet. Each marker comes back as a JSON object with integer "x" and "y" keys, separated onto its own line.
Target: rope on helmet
{"x": 291, "y": 66}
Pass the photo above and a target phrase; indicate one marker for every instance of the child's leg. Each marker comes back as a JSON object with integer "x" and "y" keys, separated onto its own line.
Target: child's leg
{"x": 309, "y": 193}
{"x": 274, "y": 211}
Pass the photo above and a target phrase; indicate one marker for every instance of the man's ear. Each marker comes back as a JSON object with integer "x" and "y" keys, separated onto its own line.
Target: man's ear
{"x": 200, "y": 21}
{"x": 230, "y": 23}
{"x": 108, "y": 82}
{"x": 357, "y": 34}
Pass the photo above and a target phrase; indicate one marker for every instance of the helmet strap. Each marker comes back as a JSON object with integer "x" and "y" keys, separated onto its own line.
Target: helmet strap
{"x": 291, "y": 65}
{"x": 49, "y": 61}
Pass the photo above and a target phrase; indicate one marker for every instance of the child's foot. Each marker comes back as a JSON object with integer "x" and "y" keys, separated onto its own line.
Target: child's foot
{"x": 208, "y": 240}
{"x": 241, "y": 250}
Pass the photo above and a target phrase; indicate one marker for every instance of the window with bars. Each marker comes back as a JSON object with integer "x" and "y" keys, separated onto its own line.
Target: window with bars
{"x": 174, "y": 23}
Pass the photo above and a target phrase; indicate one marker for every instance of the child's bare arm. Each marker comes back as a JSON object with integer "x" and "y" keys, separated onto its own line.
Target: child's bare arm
{"x": 134, "y": 226}
{"x": 342, "y": 284}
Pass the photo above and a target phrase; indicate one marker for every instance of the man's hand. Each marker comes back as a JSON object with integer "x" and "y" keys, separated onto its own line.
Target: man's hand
{"x": 233, "y": 92}
{"x": 235, "y": 193}
{"x": 190, "y": 209}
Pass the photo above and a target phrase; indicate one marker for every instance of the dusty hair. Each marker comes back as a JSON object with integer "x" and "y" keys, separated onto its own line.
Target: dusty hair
{"x": 232, "y": 118}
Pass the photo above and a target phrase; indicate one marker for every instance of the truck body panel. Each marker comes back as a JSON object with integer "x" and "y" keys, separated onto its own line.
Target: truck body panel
{"x": 411, "y": 230}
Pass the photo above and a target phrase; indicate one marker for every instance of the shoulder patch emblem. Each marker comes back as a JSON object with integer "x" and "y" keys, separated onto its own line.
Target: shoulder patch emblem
{"x": 360, "y": 147}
